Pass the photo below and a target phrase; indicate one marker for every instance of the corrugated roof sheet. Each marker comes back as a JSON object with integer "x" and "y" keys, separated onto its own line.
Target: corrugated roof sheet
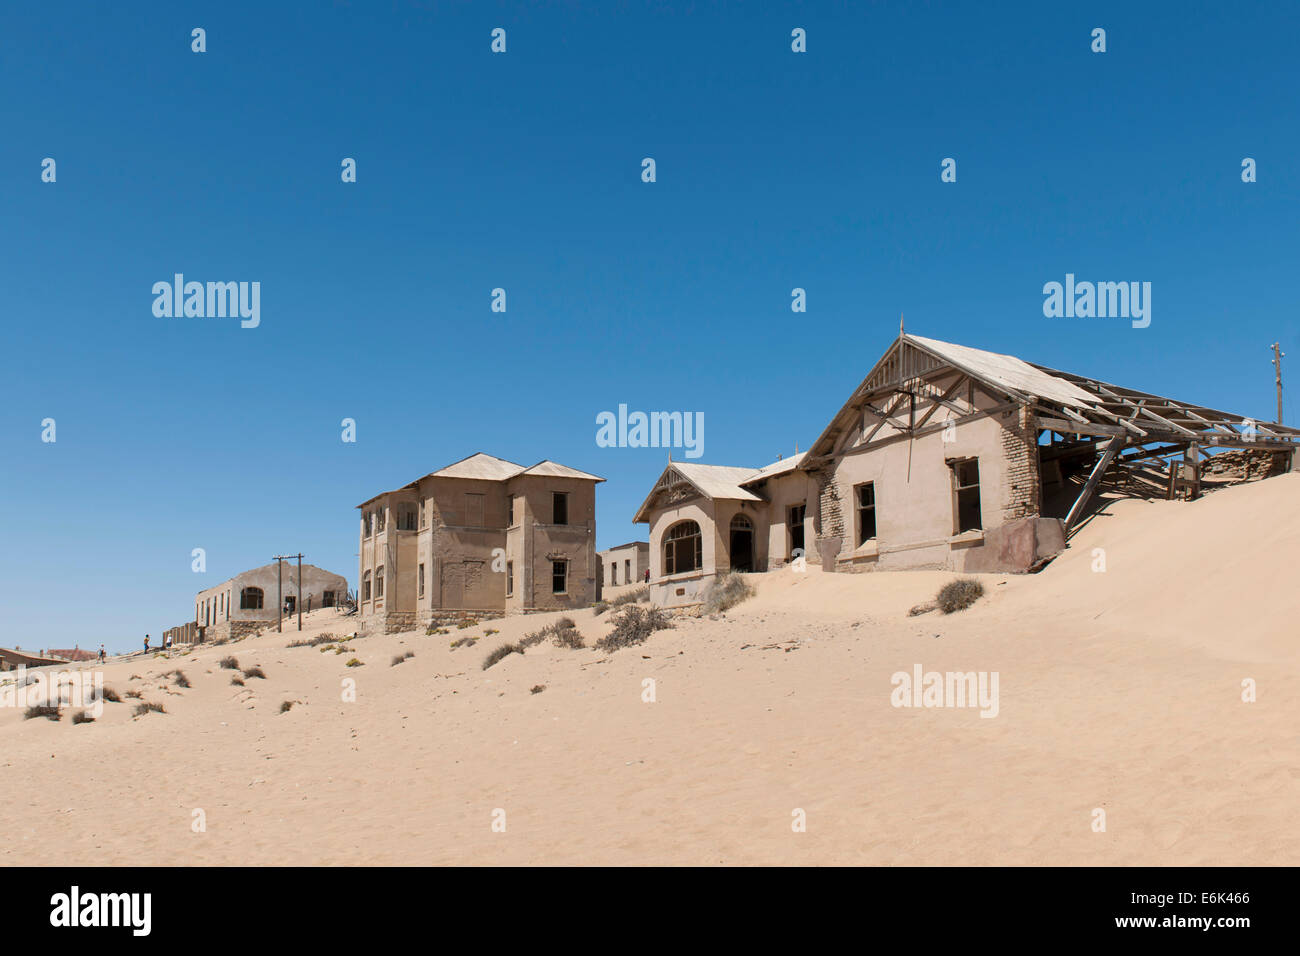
{"x": 1008, "y": 371}
{"x": 718, "y": 481}
{"x": 481, "y": 466}
{"x": 778, "y": 467}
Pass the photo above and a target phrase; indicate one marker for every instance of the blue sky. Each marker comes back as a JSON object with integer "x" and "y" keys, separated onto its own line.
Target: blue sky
{"x": 521, "y": 170}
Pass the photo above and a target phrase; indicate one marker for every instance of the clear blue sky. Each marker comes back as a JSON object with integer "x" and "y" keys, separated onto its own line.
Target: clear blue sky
{"x": 522, "y": 171}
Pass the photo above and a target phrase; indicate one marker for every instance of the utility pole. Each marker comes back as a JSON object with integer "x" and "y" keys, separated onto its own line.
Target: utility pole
{"x": 1277, "y": 365}
{"x": 298, "y": 602}
{"x": 279, "y": 591}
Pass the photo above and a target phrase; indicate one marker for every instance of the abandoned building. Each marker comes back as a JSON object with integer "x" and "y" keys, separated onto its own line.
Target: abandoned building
{"x": 626, "y": 563}
{"x": 481, "y": 535}
{"x": 247, "y": 602}
{"x": 947, "y": 457}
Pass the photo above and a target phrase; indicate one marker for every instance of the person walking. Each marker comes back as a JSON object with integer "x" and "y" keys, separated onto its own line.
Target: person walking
{"x": 647, "y": 575}
{"x": 102, "y": 655}
{"x": 146, "y": 643}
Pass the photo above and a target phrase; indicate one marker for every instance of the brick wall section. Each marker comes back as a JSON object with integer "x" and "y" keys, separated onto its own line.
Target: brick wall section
{"x": 831, "y": 514}
{"x": 1020, "y": 448}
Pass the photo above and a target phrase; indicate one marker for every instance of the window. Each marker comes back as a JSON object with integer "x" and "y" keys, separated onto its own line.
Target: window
{"x": 510, "y": 511}
{"x": 379, "y": 582}
{"x": 613, "y": 573}
{"x": 406, "y": 518}
{"x": 627, "y": 572}
{"x": 510, "y": 578}
{"x": 367, "y": 524}
{"x": 560, "y": 505}
{"x": 866, "y": 495}
{"x": 379, "y": 519}
{"x": 424, "y": 518}
{"x": 683, "y": 548}
{"x": 421, "y": 584}
{"x": 797, "y": 514}
{"x": 250, "y": 599}
{"x": 473, "y": 511}
{"x": 559, "y": 577}
{"x": 327, "y": 599}
{"x": 365, "y": 586}
{"x": 966, "y": 495}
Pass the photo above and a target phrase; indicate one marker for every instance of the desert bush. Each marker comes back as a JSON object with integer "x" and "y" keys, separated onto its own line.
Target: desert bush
{"x": 471, "y": 622}
{"x": 633, "y": 625}
{"x": 253, "y": 672}
{"x": 179, "y": 677}
{"x": 537, "y": 688}
{"x": 398, "y": 658}
{"x": 314, "y": 641}
{"x": 565, "y": 634}
{"x": 134, "y": 693}
{"x": 237, "y": 681}
{"x": 958, "y": 595}
{"x": 110, "y": 695}
{"x": 47, "y": 711}
{"x": 355, "y": 663}
{"x": 599, "y": 608}
{"x": 463, "y": 642}
{"x": 502, "y": 652}
{"x": 639, "y": 596}
{"x": 82, "y": 717}
{"x": 286, "y": 706}
{"x": 230, "y": 663}
{"x": 148, "y": 707}
{"x": 726, "y": 592}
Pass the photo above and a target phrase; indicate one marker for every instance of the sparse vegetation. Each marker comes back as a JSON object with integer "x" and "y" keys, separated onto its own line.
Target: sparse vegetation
{"x": 179, "y": 677}
{"x": 47, "y": 711}
{"x": 725, "y": 592}
{"x": 286, "y": 706}
{"x": 82, "y": 717}
{"x": 490, "y": 631}
{"x": 315, "y": 641}
{"x": 253, "y": 672}
{"x": 633, "y": 625}
{"x": 108, "y": 694}
{"x": 464, "y": 641}
{"x": 435, "y": 629}
{"x": 355, "y": 663}
{"x": 230, "y": 663}
{"x": 502, "y": 652}
{"x": 537, "y": 688}
{"x": 639, "y": 595}
{"x": 134, "y": 693}
{"x": 959, "y": 595}
{"x": 398, "y": 658}
{"x": 237, "y": 681}
{"x": 563, "y": 632}
{"x": 470, "y": 622}
{"x": 149, "y": 706}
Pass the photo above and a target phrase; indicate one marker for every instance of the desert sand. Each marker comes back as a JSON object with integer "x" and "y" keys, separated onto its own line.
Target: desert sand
{"x": 1119, "y": 690}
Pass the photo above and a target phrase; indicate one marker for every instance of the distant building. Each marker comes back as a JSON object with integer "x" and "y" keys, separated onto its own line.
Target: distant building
{"x": 247, "y": 602}
{"x": 75, "y": 654}
{"x": 626, "y": 563}
{"x": 11, "y": 660}
{"x": 482, "y": 534}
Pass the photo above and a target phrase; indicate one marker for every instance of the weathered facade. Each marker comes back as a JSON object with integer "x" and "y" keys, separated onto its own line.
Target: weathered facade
{"x": 626, "y": 563}
{"x": 246, "y": 603}
{"x": 944, "y": 457}
{"x": 481, "y": 535}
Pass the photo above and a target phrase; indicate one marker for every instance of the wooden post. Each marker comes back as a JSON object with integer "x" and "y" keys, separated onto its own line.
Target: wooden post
{"x": 299, "y": 601}
{"x": 1113, "y": 447}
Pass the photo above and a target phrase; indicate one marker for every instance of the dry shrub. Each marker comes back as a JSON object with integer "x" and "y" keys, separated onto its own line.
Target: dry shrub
{"x": 230, "y": 663}
{"x": 502, "y": 652}
{"x": 253, "y": 672}
{"x": 726, "y": 592}
{"x": 633, "y": 625}
{"x": 47, "y": 711}
{"x": 398, "y": 658}
{"x": 959, "y": 595}
{"x": 82, "y": 717}
{"x": 149, "y": 707}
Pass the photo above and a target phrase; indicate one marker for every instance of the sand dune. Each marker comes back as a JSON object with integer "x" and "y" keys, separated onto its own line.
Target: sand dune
{"x": 1118, "y": 690}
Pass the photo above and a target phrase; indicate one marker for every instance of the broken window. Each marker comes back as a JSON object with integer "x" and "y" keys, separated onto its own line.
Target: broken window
{"x": 473, "y": 511}
{"x": 379, "y": 582}
{"x": 966, "y": 495}
{"x": 560, "y": 504}
{"x": 866, "y": 495}
{"x": 559, "y": 577}
{"x": 365, "y": 586}
{"x": 683, "y": 546}
{"x": 420, "y": 592}
{"x": 510, "y": 578}
{"x": 510, "y": 511}
{"x": 424, "y": 518}
{"x": 250, "y": 599}
{"x": 627, "y": 572}
{"x": 327, "y": 599}
{"x": 797, "y": 513}
{"x": 406, "y": 518}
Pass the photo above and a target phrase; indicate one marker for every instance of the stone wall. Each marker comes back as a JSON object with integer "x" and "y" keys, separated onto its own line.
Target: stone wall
{"x": 1020, "y": 446}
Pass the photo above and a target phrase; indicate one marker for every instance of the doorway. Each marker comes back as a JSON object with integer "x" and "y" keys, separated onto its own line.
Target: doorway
{"x": 742, "y": 544}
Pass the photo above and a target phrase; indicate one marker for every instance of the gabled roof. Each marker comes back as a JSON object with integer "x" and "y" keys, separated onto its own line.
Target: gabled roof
{"x": 711, "y": 481}
{"x": 484, "y": 467}
{"x": 778, "y": 467}
{"x": 1062, "y": 400}
{"x": 553, "y": 469}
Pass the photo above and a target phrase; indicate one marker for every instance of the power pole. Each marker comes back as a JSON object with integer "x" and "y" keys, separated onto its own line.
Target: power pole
{"x": 1277, "y": 365}
{"x": 279, "y": 591}
{"x": 298, "y": 602}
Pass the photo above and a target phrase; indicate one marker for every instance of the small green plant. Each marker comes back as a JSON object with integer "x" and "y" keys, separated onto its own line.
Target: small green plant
{"x": 490, "y": 631}
{"x": 355, "y": 663}
{"x": 959, "y": 595}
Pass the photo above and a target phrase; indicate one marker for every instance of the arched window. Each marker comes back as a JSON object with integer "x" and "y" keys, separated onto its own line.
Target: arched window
{"x": 365, "y": 586}
{"x": 683, "y": 548}
{"x": 741, "y": 523}
{"x": 250, "y": 599}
